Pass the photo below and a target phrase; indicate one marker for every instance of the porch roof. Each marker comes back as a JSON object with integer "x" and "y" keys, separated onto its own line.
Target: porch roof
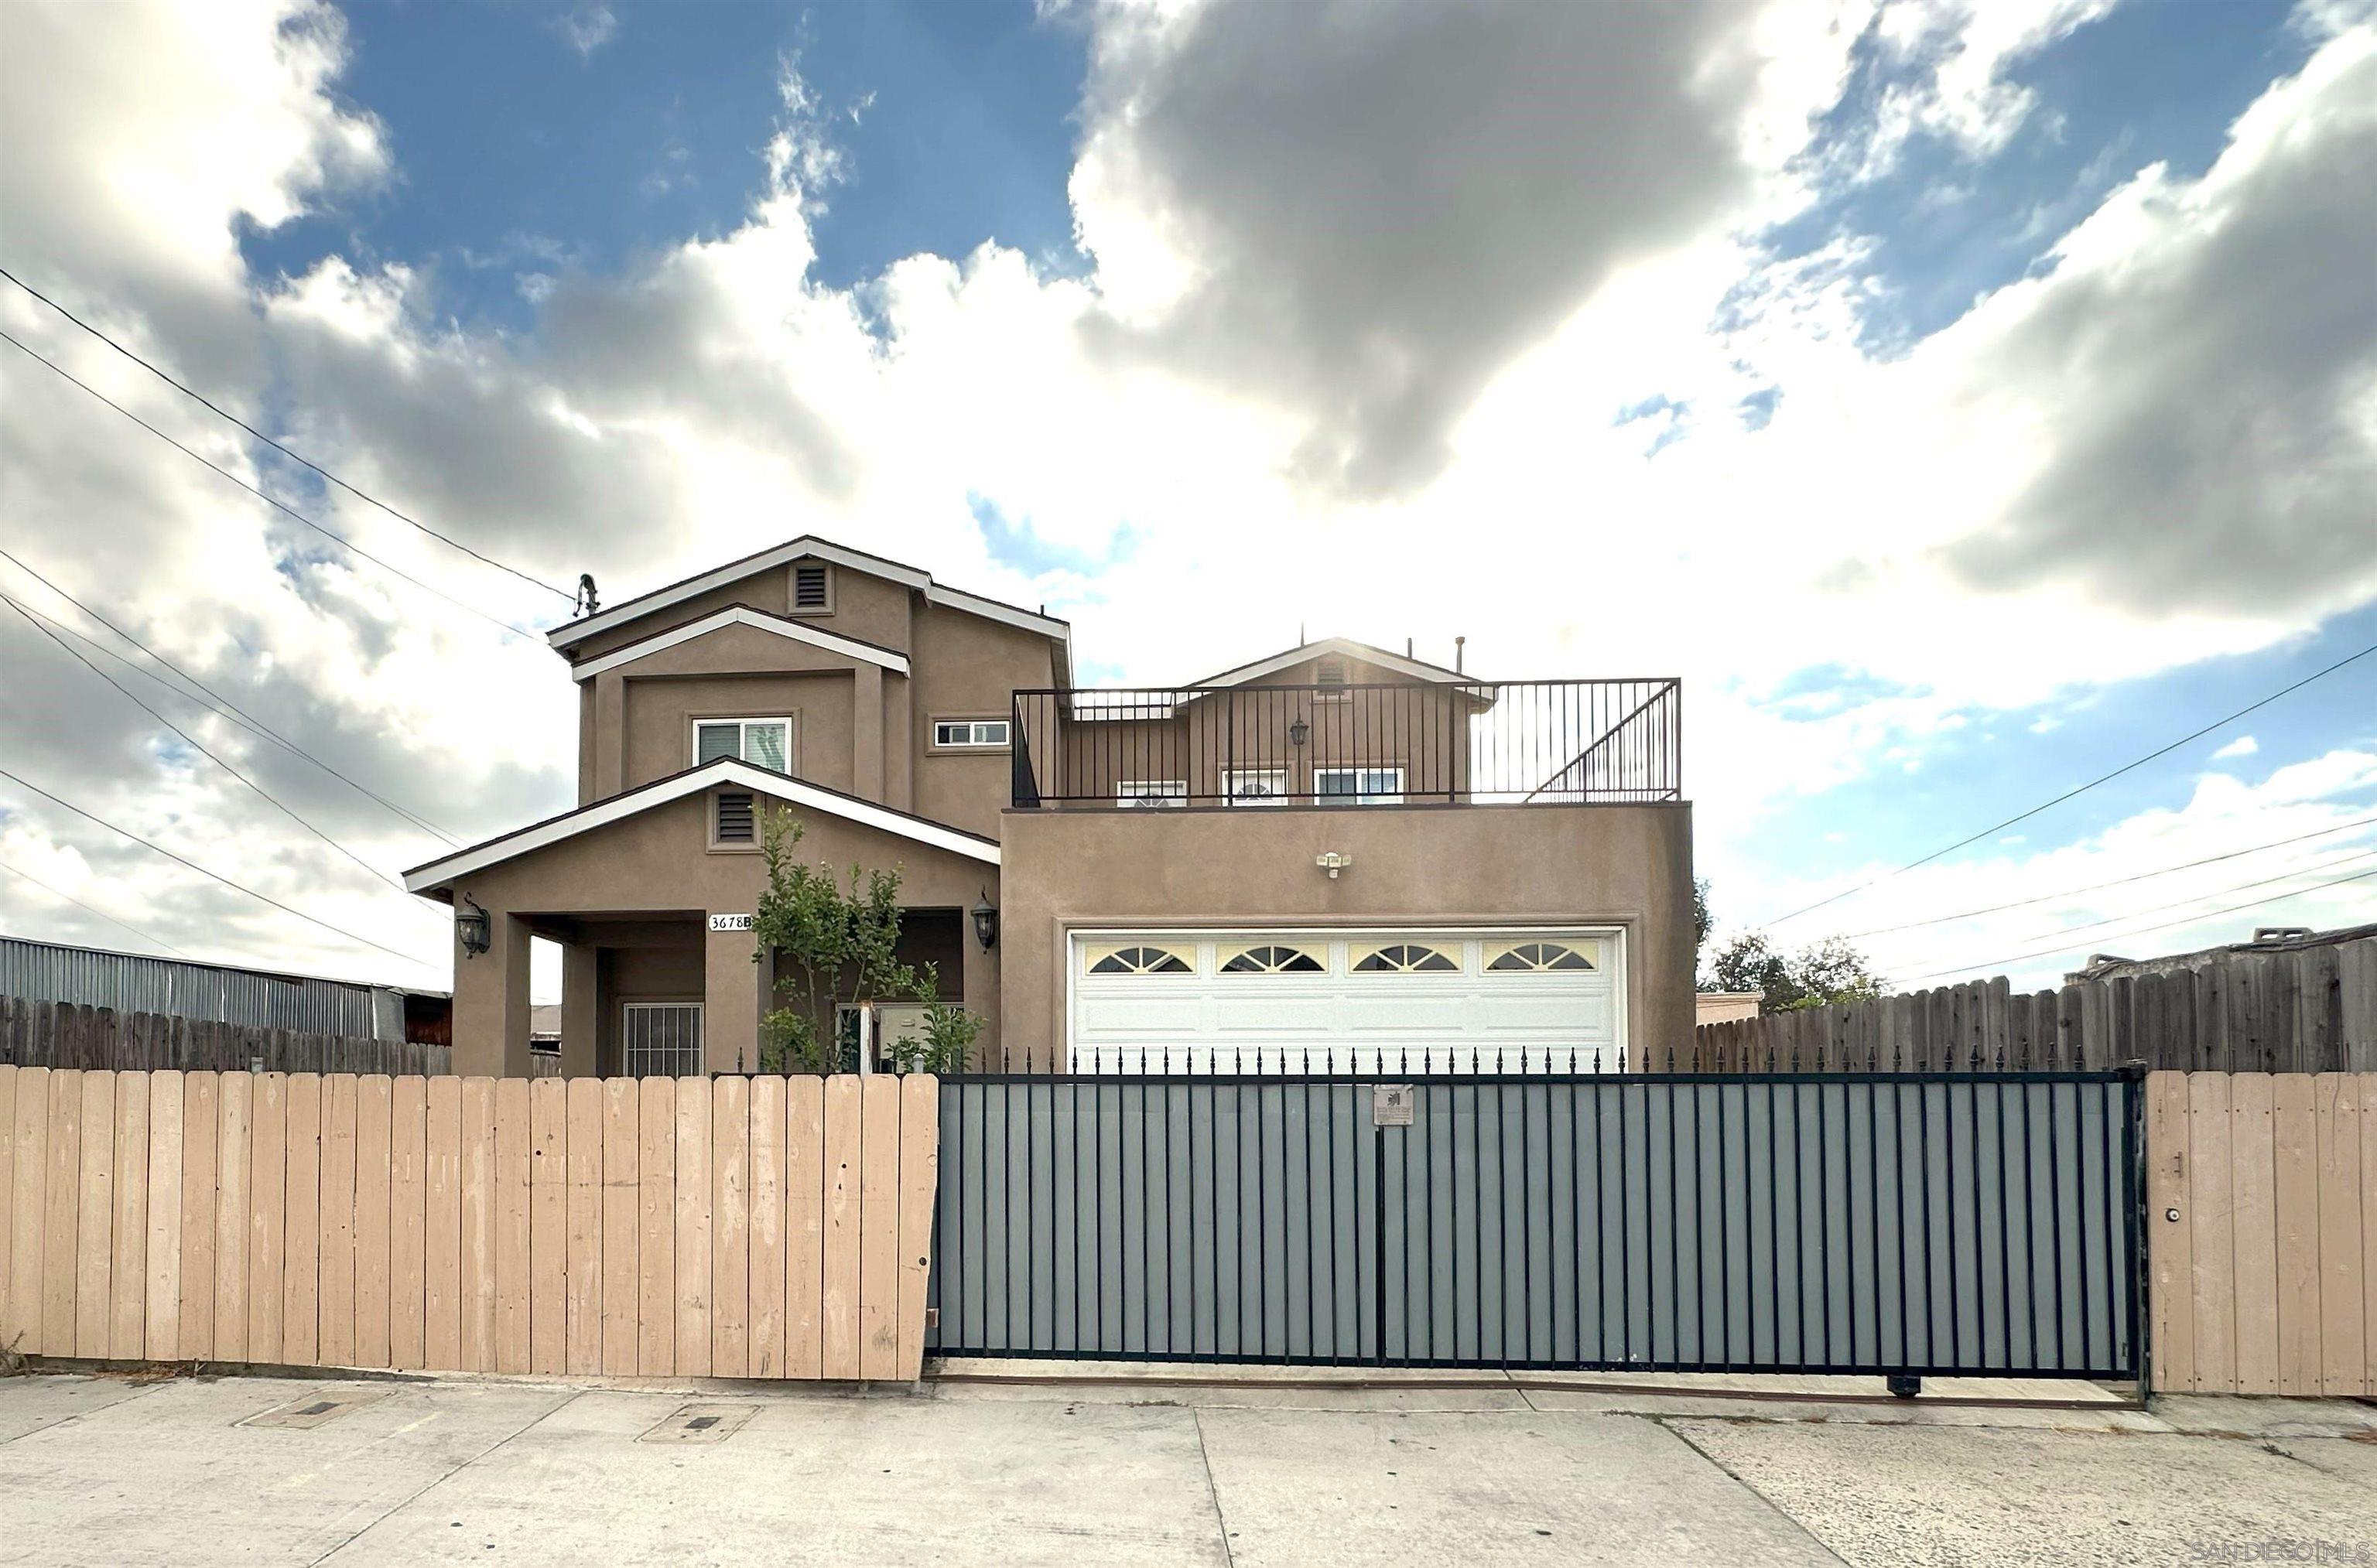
{"x": 693, "y": 780}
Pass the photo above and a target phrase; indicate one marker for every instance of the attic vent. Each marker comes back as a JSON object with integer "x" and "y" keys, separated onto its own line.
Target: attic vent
{"x": 809, "y": 587}
{"x": 735, "y": 818}
{"x": 1330, "y": 673}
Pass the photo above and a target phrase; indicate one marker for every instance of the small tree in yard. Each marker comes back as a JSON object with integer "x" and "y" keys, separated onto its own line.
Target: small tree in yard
{"x": 821, "y": 933}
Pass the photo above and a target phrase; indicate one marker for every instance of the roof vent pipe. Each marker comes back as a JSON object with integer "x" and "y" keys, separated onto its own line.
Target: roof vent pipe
{"x": 1459, "y": 646}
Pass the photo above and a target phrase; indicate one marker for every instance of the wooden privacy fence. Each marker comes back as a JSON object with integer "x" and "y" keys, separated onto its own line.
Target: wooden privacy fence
{"x": 64, "y": 1034}
{"x": 2310, "y": 1010}
{"x": 2262, "y": 1232}
{"x": 767, "y": 1227}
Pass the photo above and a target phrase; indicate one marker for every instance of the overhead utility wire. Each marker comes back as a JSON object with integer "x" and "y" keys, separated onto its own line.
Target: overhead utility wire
{"x": 102, "y": 914}
{"x": 2098, "y": 886}
{"x": 2143, "y": 931}
{"x": 212, "y": 697}
{"x": 2081, "y": 789}
{"x": 298, "y": 457}
{"x": 341, "y": 541}
{"x": 2347, "y": 858}
{"x": 202, "y": 749}
{"x": 214, "y": 877}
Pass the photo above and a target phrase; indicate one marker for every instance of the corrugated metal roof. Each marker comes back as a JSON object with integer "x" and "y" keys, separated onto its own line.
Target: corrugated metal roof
{"x": 129, "y": 982}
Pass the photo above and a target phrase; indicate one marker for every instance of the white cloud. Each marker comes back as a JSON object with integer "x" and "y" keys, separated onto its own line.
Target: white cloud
{"x": 2243, "y": 745}
{"x": 589, "y": 29}
{"x": 1349, "y": 360}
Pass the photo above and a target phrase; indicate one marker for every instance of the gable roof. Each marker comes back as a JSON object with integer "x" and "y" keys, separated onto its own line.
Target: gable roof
{"x": 744, "y": 615}
{"x": 571, "y": 633}
{"x": 1418, "y": 670}
{"x": 692, "y": 781}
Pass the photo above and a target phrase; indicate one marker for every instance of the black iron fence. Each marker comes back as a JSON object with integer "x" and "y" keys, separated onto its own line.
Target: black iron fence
{"x": 1449, "y": 742}
{"x": 1896, "y": 1225}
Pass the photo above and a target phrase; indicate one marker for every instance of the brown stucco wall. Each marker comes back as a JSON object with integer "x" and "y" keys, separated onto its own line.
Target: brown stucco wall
{"x": 656, "y": 863}
{"x": 860, "y": 730}
{"x": 661, "y": 716}
{"x": 1629, "y": 866}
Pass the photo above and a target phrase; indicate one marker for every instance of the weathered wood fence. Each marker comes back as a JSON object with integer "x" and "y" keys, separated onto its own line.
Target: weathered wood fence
{"x": 2313, "y": 1010}
{"x": 66, "y": 1034}
{"x": 766, "y": 1228}
{"x": 2262, "y": 1232}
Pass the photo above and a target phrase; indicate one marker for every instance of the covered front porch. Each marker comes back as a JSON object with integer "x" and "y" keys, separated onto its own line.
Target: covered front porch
{"x": 652, "y": 911}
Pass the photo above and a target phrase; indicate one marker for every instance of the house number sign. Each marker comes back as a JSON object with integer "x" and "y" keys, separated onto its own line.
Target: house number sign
{"x": 1391, "y": 1105}
{"x": 730, "y": 922}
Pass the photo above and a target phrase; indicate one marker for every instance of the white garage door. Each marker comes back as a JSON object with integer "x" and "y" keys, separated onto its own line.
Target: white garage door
{"x": 1378, "y": 1000}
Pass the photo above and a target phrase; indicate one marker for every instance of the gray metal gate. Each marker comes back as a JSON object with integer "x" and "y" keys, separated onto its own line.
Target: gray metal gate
{"x": 1905, "y": 1224}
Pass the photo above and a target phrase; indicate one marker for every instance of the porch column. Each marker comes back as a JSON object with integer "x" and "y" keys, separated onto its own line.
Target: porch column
{"x": 490, "y": 1002}
{"x": 867, "y": 735}
{"x": 580, "y": 973}
{"x": 731, "y": 1003}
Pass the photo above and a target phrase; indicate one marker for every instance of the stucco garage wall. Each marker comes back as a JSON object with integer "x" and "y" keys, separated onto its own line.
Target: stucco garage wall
{"x": 1629, "y": 866}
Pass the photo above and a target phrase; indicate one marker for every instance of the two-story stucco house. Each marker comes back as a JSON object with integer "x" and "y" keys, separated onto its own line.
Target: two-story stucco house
{"x": 1336, "y": 856}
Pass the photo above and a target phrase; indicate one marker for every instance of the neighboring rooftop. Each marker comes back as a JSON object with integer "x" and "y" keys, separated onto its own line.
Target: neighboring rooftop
{"x": 2265, "y": 939}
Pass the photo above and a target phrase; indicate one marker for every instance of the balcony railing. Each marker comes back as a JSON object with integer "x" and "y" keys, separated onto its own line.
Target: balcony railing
{"x": 1475, "y": 743}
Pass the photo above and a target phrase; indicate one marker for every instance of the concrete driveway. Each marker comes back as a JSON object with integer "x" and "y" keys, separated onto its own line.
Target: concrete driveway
{"x": 281, "y": 1470}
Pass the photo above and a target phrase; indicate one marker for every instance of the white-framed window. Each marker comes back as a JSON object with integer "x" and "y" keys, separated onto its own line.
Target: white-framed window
{"x": 1271, "y": 958}
{"x": 1256, "y": 786}
{"x": 1404, "y": 958}
{"x": 970, "y": 733}
{"x": 1523, "y": 958}
{"x": 1136, "y": 960}
{"x": 1151, "y": 792}
{"x": 660, "y": 1039}
{"x": 1361, "y": 786}
{"x": 762, "y": 742}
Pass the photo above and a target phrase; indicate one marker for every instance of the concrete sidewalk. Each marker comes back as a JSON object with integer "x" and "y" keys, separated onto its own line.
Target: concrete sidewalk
{"x": 315, "y": 1470}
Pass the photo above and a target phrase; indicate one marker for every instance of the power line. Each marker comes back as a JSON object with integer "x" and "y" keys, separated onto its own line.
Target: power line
{"x": 102, "y": 914}
{"x": 2097, "y": 886}
{"x": 341, "y": 541}
{"x": 213, "y": 877}
{"x": 209, "y": 696}
{"x": 2081, "y": 789}
{"x": 2143, "y": 931}
{"x": 298, "y": 457}
{"x": 202, "y": 750}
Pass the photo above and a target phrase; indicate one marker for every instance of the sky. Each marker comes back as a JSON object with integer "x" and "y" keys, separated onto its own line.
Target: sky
{"x": 1964, "y": 400}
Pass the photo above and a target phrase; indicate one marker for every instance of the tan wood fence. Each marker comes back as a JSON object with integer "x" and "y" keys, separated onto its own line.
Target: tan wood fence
{"x": 766, "y": 1228}
{"x": 66, "y": 1034}
{"x": 2262, "y": 1232}
{"x": 2310, "y": 1010}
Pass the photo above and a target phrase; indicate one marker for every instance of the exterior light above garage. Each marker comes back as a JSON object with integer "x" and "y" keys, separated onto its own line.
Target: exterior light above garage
{"x": 1332, "y": 862}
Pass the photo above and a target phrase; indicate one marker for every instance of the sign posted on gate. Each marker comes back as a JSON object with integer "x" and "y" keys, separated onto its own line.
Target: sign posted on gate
{"x": 1391, "y": 1105}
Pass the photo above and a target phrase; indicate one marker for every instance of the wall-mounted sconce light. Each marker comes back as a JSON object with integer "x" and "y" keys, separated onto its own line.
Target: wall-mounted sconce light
{"x": 986, "y": 921}
{"x": 1332, "y": 862}
{"x": 473, "y": 927}
{"x": 1298, "y": 733}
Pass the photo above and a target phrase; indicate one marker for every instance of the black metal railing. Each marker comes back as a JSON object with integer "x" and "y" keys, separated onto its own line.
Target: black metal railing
{"x": 1464, "y": 742}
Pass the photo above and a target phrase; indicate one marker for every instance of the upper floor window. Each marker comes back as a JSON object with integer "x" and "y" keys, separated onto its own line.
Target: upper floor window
{"x": 762, "y": 742}
{"x": 812, "y": 588}
{"x": 1151, "y": 792}
{"x": 1256, "y": 786}
{"x": 970, "y": 733}
{"x": 1361, "y": 786}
